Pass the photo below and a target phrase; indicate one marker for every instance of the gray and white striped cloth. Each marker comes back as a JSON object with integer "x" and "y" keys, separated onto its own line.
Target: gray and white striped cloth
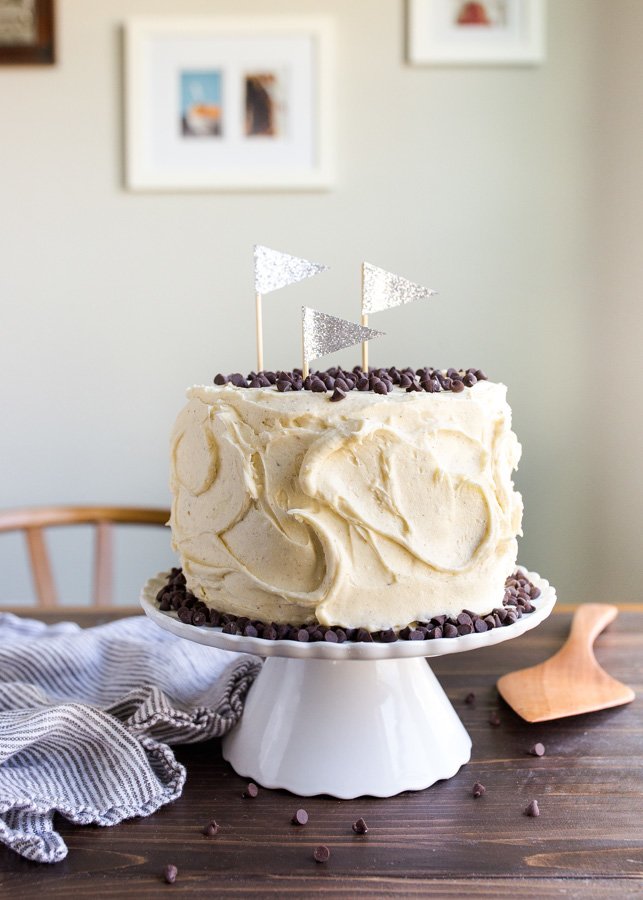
{"x": 86, "y": 717}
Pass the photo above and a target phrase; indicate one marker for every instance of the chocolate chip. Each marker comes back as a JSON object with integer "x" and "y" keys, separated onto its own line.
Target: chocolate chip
{"x": 318, "y": 386}
{"x": 199, "y": 618}
{"x": 532, "y": 809}
{"x": 380, "y": 388}
{"x": 479, "y": 625}
{"x": 417, "y": 634}
{"x": 185, "y": 615}
{"x": 465, "y": 629}
{"x": 457, "y": 386}
{"x": 211, "y": 829}
{"x": 330, "y": 636}
{"x": 251, "y": 791}
{"x": 302, "y": 635}
{"x": 364, "y": 636}
{"x": 450, "y": 631}
{"x": 169, "y": 874}
{"x": 270, "y": 633}
{"x": 494, "y": 719}
{"x": 237, "y": 379}
{"x": 538, "y": 749}
{"x": 470, "y": 699}
{"x": 388, "y": 636}
{"x": 250, "y": 631}
{"x": 321, "y": 854}
{"x": 220, "y": 379}
{"x": 470, "y": 379}
{"x": 437, "y": 632}
{"x": 300, "y": 817}
{"x": 338, "y": 394}
{"x": 479, "y": 789}
{"x": 360, "y": 827}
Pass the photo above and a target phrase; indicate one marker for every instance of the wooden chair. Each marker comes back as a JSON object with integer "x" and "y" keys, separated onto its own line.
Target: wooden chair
{"x": 32, "y": 521}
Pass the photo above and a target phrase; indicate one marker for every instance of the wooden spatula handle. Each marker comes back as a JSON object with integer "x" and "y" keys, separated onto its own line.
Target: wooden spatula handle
{"x": 588, "y": 622}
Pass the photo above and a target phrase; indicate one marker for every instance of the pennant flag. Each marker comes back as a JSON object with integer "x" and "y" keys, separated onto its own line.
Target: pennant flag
{"x": 274, "y": 270}
{"x": 383, "y": 290}
{"x": 324, "y": 334}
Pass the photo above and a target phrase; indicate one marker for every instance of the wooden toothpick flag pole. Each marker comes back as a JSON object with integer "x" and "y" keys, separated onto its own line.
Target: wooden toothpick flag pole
{"x": 259, "y": 320}
{"x": 364, "y": 321}
{"x": 383, "y": 290}
{"x": 322, "y": 333}
{"x": 274, "y": 270}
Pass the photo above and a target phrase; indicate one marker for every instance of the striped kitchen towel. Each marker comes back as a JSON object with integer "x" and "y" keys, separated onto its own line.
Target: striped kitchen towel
{"x": 86, "y": 717}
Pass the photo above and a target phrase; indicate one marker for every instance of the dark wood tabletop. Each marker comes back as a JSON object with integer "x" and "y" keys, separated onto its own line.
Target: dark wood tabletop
{"x": 587, "y": 841}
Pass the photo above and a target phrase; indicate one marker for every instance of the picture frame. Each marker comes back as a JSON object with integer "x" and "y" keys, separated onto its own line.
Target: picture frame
{"x": 220, "y": 103}
{"x": 483, "y": 32}
{"x": 27, "y": 32}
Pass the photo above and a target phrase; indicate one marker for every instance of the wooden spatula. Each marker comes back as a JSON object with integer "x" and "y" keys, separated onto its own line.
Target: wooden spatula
{"x": 571, "y": 681}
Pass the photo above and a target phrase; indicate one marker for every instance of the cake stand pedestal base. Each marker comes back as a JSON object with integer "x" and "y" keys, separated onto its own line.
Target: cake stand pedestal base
{"x": 347, "y": 728}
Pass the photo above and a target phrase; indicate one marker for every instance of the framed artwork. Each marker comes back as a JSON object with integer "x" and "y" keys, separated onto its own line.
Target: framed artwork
{"x": 228, "y": 104}
{"x": 26, "y": 32}
{"x": 476, "y": 32}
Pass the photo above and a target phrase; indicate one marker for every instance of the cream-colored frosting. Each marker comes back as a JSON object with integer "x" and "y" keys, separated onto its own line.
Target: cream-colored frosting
{"x": 376, "y": 511}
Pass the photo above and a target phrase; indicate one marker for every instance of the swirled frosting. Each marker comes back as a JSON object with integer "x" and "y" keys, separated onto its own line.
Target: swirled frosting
{"x": 375, "y": 512}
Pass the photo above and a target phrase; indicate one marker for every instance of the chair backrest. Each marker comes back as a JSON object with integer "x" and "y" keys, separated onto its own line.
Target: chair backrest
{"x": 33, "y": 520}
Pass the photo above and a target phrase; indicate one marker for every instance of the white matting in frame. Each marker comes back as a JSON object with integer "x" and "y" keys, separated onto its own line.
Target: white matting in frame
{"x": 476, "y": 32}
{"x": 228, "y": 104}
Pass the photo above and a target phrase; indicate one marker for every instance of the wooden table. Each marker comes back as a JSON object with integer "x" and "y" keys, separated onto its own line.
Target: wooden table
{"x": 587, "y": 842}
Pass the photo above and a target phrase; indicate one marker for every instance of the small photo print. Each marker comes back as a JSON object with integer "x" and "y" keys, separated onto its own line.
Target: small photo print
{"x": 486, "y": 13}
{"x": 201, "y": 113}
{"x": 265, "y": 98}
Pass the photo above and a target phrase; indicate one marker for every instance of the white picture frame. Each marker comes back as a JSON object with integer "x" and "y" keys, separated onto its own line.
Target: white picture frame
{"x": 484, "y": 32}
{"x": 227, "y": 104}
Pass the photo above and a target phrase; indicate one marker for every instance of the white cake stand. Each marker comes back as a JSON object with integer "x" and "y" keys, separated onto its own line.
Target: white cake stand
{"x": 348, "y": 719}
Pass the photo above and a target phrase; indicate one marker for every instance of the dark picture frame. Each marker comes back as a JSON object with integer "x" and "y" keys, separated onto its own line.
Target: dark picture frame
{"x": 42, "y": 50}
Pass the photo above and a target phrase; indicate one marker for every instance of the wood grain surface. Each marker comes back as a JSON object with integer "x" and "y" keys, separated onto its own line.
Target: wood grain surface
{"x": 587, "y": 842}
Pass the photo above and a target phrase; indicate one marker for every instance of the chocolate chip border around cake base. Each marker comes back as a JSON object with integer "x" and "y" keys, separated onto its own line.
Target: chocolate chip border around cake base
{"x": 516, "y": 602}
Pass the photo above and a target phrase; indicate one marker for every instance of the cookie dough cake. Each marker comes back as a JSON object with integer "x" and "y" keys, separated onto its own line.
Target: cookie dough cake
{"x": 393, "y": 506}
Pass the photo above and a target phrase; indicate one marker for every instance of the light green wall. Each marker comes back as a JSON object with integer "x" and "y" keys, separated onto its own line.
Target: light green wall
{"x": 497, "y": 186}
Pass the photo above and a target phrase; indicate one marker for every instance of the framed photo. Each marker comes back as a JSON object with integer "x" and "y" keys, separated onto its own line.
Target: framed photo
{"x": 476, "y": 32}
{"x": 26, "y": 32}
{"x": 228, "y": 104}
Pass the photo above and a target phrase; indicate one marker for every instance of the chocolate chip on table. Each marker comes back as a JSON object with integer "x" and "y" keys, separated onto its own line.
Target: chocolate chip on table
{"x": 300, "y": 817}
{"x": 211, "y": 828}
{"x": 470, "y": 698}
{"x": 538, "y": 749}
{"x": 532, "y": 809}
{"x": 494, "y": 719}
{"x": 169, "y": 874}
{"x": 251, "y": 791}
{"x": 321, "y": 854}
{"x": 479, "y": 789}
{"x": 360, "y": 827}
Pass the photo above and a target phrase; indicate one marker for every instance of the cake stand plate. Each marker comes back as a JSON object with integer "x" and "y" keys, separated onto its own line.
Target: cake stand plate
{"x": 348, "y": 719}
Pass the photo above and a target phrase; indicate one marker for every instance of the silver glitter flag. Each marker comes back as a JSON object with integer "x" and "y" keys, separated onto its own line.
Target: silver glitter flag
{"x": 274, "y": 270}
{"x": 383, "y": 290}
{"x": 324, "y": 334}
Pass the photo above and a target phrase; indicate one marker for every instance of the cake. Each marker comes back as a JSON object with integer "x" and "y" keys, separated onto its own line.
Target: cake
{"x": 391, "y": 507}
